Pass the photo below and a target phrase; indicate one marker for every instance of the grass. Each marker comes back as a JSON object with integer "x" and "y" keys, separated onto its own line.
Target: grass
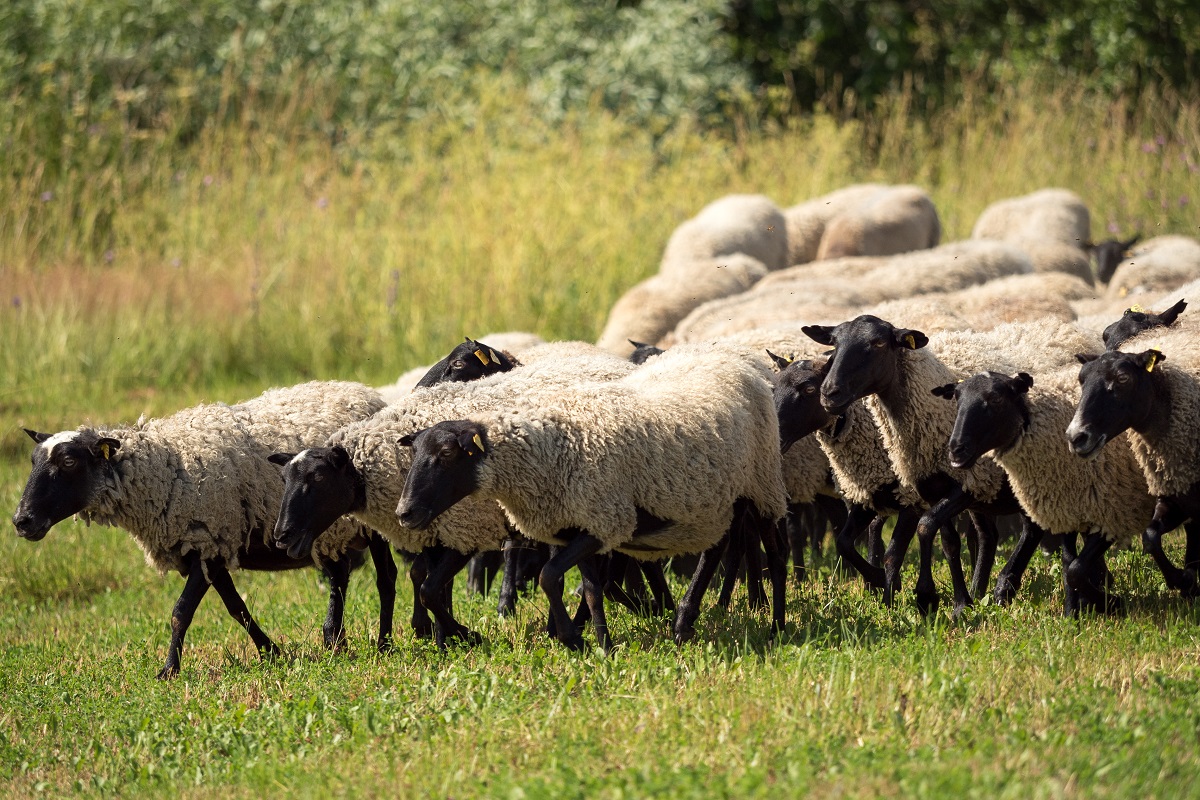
{"x": 251, "y": 260}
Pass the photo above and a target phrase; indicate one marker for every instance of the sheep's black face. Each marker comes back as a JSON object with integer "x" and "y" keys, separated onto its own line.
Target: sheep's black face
{"x": 470, "y": 361}
{"x": 798, "y": 401}
{"x": 992, "y": 413}
{"x": 1109, "y": 254}
{"x": 866, "y": 355}
{"x": 319, "y": 486}
{"x": 643, "y": 352}
{"x": 445, "y": 469}
{"x": 1118, "y": 393}
{"x": 1133, "y": 322}
{"x": 68, "y": 469}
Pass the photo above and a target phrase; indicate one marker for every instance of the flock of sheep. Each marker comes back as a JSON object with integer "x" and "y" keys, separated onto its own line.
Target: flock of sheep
{"x": 785, "y": 370}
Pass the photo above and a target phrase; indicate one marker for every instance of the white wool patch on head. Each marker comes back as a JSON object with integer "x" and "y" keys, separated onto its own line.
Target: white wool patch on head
{"x": 59, "y": 438}
{"x": 298, "y": 457}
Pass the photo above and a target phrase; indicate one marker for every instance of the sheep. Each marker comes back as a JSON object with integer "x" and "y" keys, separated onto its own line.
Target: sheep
{"x": 507, "y": 343}
{"x": 894, "y": 371}
{"x": 467, "y": 362}
{"x": 1156, "y": 265}
{"x": 657, "y": 463}
{"x": 794, "y": 294}
{"x": 1132, "y": 389}
{"x": 1052, "y": 225}
{"x": 1135, "y": 320}
{"x": 1108, "y": 254}
{"x": 359, "y": 471}
{"x": 196, "y": 492}
{"x": 737, "y": 223}
{"x": 806, "y": 222}
{"x": 655, "y": 306}
{"x": 1021, "y": 421}
{"x": 893, "y": 220}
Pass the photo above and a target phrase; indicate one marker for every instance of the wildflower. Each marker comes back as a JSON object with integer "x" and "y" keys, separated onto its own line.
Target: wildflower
{"x": 322, "y": 203}
{"x": 47, "y": 196}
{"x": 208, "y": 180}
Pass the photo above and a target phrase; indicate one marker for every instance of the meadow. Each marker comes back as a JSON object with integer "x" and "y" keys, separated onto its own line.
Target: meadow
{"x": 261, "y": 255}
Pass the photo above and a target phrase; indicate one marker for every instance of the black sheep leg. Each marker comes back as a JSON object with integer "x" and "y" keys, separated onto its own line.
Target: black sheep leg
{"x": 444, "y": 564}
{"x": 688, "y": 610}
{"x": 856, "y": 521}
{"x": 796, "y": 523}
{"x": 507, "y": 605}
{"x": 551, "y": 580}
{"x": 218, "y": 576}
{"x": 595, "y": 572}
{"x": 1168, "y": 517}
{"x": 777, "y": 566}
{"x": 333, "y": 631}
{"x": 663, "y": 601}
{"x": 181, "y": 616}
{"x": 756, "y": 598}
{"x": 1070, "y": 596}
{"x": 385, "y": 585}
{"x": 1008, "y": 582}
{"x": 933, "y": 520}
{"x": 1088, "y": 575}
{"x": 875, "y": 541}
{"x": 732, "y": 563}
{"x": 893, "y": 558}
{"x": 984, "y": 557}
{"x": 417, "y": 571}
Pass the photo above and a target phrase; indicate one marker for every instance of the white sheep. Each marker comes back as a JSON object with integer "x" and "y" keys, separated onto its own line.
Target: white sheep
{"x": 197, "y": 493}
{"x": 657, "y": 463}
{"x": 737, "y": 223}
{"x": 897, "y": 219}
{"x": 1155, "y": 266}
{"x": 806, "y": 222}
{"x": 1052, "y": 225}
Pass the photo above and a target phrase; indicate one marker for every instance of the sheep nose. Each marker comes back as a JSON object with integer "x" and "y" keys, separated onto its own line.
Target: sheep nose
{"x": 834, "y": 399}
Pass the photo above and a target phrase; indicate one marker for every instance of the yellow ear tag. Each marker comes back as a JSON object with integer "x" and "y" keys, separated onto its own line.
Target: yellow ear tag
{"x": 1154, "y": 355}
{"x": 104, "y": 450}
{"x": 492, "y": 353}
{"x": 911, "y": 340}
{"x": 478, "y": 443}
{"x": 1136, "y": 309}
{"x": 482, "y": 357}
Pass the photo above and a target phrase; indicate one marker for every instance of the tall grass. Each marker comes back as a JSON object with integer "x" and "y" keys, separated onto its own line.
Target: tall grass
{"x": 260, "y": 254}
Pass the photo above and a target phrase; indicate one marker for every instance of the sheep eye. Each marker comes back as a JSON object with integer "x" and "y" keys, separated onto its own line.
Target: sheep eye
{"x": 67, "y": 462}
{"x": 878, "y": 343}
{"x": 457, "y": 364}
{"x": 809, "y": 389}
{"x": 447, "y": 452}
{"x": 317, "y": 477}
{"x": 1122, "y": 378}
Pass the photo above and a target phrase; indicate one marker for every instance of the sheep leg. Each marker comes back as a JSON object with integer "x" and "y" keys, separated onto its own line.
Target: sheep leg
{"x": 218, "y": 576}
{"x": 1008, "y": 582}
{"x": 620, "y": 568}
{"x": 507, "y": 605}
{"x": 984, "y": 558}
{"x": 595, "y": 573}
{"x": 1168, "y": 517}
{"x": 688, "y": 610}
{"x": 795, "y": 523}
{"x": 756, "y": 597}
{"x": 835, "y": 511}
{"x": 857, "y": 520}
{"x": 417, "y": 572}
{"x": 1070, "y": 596}
{"x": 445, "y": 563}
{"x": 732, "y": 563}
{"x": 875, "y": 542}
{"x": 551, "y": 581}
{"x": 477, "y": 580}
{"x": 893, "y": 558}
{"x": 972, "y": 538}
{"x": 181, "y": 616}
{"x": 1089, "y": 576}
{"x": 777, "y": 565}
{"x": 938, "y": 518}
{"x": 385, "y": 585}
{"x": 333, "y": 630}
{"x": 663, "y": 601}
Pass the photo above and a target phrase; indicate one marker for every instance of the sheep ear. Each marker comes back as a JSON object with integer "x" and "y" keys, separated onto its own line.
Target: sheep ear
{"x": 1021, "y": 382}
{"x": 482, "y": 356}
{"x": 913, "y": 340}
{"x": 780, "y": 361}
{"x": 37, "y": 437}
{"x": 280, "y": 458}
{"x": 338, "y": 457}
{"x": 821, "y": 334}
{"x": 407, "y": 439}
{"x": 471, "y": 441}
{"x": 105, "y": 447}
{"x": 1085, "y": 358}
{"x": 1150, "y": 358}
{"x": 637, "y": 344}
{"x": 1131, "y": 242}
{"x": 1169, "y": 316}
{"x": 945, "y": 391}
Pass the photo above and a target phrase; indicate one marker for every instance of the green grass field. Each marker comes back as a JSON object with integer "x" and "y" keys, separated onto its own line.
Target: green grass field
{"x": 255, "y": 260}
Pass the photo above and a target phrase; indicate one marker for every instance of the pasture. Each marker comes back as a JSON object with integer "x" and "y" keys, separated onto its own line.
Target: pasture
{"x": 264, "y": 258}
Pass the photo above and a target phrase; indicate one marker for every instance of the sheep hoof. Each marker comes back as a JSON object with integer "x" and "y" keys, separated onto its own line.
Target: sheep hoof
{"x": 574, "y": 643}
{"x": 423, "y": 630}
{"x": 683, "y": 635}
{"x": 385, "y": 646}
{"x": 269, "y": 651}
{"x": 467, "y": 637}
{"x": 1006, "y": 590}
{"x": 1187, "y": 585}
{"x": 927, "y": 602}
{"x": 169, "y": 672}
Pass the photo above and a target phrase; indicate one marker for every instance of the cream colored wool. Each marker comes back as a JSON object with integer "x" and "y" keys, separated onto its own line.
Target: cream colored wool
{"x": 1045, "y": 216}
{"x": 1056, "y": 257}
{"x": 199, "y": 480}
{"x": 473, "y": 524}
{"x": 894, "y": 220}
{"x": 1157, "y": 265}
{"x": 652, "y": 308}
{"x": 858, "y": 460}
{"x": 917, "y": 427}
{"x": 806, "y": 221}
{"x": 1190, "y": 291}
{"x": 1062, "y": 492}
{"x": 737, "y": 223}
{"x": 1170, "y": 457}
{"x": 683, "y": 437}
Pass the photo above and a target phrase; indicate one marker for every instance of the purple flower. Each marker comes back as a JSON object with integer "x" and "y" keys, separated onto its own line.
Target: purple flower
{"x": 175, "y": 262}
{"x": 16, "y": 301}
{"x": 322, "y": 203}
{"x": 1148, "y": 147}
{"x": 1160, "y": 140}
{"x": 109, "y": 255}
{"x": 1113, "y": 227}
{"x": 47, "y": 196}
{"x": 1183, "y": 200}
{"x": 208, "y": 180}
